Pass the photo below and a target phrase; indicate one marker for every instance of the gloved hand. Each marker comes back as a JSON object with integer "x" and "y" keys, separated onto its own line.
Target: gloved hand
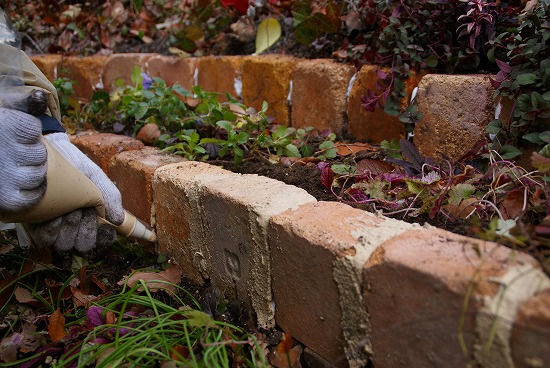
{"x": 80, "y": 229}
{"x": 23, "y": 161}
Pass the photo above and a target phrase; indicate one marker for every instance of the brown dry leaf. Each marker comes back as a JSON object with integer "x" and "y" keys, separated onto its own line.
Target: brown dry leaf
{"x": 25, "y": 341}
{"x": 346, "y": 149}
{"x": 6, "y": 248}
{"x": 156, "y": 280}
{"x": 512, "y": 205}
{"x": 461, "y": 210}
{"x": 23, "y": 295}
{"x": 56, "y": 327}
{"x": 373, "y": 166}
{"x": 286, "y": 360}
{"x": 110, "y": 318}
{"x": 81, "y": 299}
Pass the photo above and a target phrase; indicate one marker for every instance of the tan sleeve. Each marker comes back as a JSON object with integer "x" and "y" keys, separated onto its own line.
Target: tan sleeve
{"x": 32, "y": 77}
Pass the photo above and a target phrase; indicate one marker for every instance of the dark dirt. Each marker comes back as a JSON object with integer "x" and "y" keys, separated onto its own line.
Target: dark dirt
{"x": 307, "y": 177}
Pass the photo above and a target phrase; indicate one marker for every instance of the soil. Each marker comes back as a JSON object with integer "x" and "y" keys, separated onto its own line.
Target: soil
{"x": 307, "y": 177}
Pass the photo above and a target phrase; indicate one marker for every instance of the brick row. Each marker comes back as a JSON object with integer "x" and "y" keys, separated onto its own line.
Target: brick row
{"x": 319, "y": 93}
{"x": 352, "y": 286}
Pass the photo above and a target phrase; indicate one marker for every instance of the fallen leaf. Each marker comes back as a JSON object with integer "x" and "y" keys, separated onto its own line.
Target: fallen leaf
{"x": 286, "y": 360}
{"x": 155, "y": 281}
{"x": 80, "y": 299}
{"x": 23, "y": 295}
{"x": 269, "y": 31}
{"x": 56, "y": 327}
{"x": 512, "y": 205}
{"x": 346, "y": 149}
{"x": 373, "y": 166}
{"x": 6, "y": 248}
{"x": 110, "y": 318}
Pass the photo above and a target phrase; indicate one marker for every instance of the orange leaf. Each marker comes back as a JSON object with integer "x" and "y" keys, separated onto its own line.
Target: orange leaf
{"x": 285, "y": 344}
{"x": 56, "y": 328}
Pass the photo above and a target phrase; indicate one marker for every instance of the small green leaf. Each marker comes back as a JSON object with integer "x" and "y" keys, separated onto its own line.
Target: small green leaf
{"x": 136, "y": 77}
{"x": 494, "y": 127}
{"x": 508, "y": 152}
{"x": 533, "y": 138}
{"x": 528, "y": 78}
{"x": 292, "y": 151}
{"x": 269, "y": 31}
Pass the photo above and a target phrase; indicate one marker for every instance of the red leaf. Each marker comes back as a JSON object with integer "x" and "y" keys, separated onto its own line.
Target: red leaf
{"x": 327, "y": 177}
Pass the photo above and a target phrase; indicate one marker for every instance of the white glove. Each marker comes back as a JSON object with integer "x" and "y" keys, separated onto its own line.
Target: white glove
{"x": 22, "y": 161}
{"x": 79, "y": 229}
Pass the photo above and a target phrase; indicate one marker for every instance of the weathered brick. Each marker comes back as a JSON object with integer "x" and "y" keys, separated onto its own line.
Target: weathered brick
{"x": 120, "y": 66}
{"x": 85, "y": 71}
{"x": 172, "y": 69}
{"x": 319, "y": 95}
{"x": 48, "y": 64}
{"x": 375, "y": 126}
{"x": 219, "y": 74}
{"x": 178, "y": 218}
{"x": 132, "y": 172}
{"x": 267, "y": 78}
{"x": 233, "y": 219}
{"x": 456, "y": 110}
{"x": 318, "y": 252}
{"x": 428, "y": 289}
{"x": 101, "y": 147}
{"x": 531, "y": 332}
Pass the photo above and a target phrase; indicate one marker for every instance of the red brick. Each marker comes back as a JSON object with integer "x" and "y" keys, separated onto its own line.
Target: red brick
{"x": 456, "y": 110}
{"x": 85, "y": 71}
{"x": 172, "y": 69}
{"x": 218, "y": 74}
{"x": 48, "y": 64}
{"x": 120, "y": 66}
{"x": 267, "y": 78}
{"x": 101, "y": 147}
{"x": 417, "y": 285}
{"x": 228, "y": 226}
{"x": 374, "y": 126}
{"x": 319, "y": 95}
{"x": 318, "y": 252}
{"x": 178, "y": 218}
{"x": 132, "y": 172}
{"x": 531, "y": 333}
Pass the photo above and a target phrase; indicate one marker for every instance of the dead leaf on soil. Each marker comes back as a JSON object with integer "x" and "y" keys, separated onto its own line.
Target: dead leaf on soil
{"x": 156, "y": 281}
{"x": 286, "y": 356}
{"x": 25, "y": 341}
{"x": 56, "y": 327}
{"x": 23, "y": 295}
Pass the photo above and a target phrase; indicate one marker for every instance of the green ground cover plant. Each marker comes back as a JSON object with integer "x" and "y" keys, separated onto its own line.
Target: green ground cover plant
{"x": 196, "y": 124}
{"x": 80, "y": 316}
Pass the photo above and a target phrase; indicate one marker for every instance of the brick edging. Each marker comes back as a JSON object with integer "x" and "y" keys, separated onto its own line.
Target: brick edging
{"x": 350, "y": 285}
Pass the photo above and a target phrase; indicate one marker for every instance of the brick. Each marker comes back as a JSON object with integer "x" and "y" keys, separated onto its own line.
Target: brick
{"x": 318, "y": 252}
{"x": 132, "y": 172}
{"x": 101, "y": 147}
{"x": 120, "y": 66}
{"x": 456, "y": 109}
{"x": 179, "y": 218}
{"x": 531, "y": 332}
{"x": 172, "y": 69}
{"x": 219, "y": 74}
{"x": 375, "y": 126}
{"x": 319, "y": 95}
{"x": 416, "y": 287}
{"x": 267, "y": 78}
{"x": 48, "y": 64}
{"x": 85, "y": 71}
{"x": 233, "y": 219}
